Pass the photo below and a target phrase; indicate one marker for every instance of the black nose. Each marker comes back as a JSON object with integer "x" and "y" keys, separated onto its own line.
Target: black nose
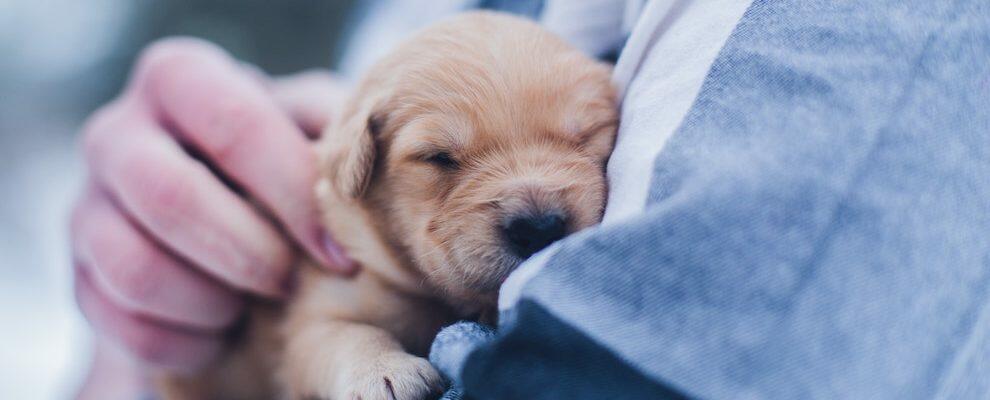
{"x": 531, "y": 233}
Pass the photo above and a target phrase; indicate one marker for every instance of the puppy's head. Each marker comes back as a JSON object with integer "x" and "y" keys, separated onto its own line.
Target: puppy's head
{"x": 477, "y": 143}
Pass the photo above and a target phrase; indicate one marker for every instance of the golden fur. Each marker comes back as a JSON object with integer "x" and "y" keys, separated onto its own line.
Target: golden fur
{"x": 470, "y": 122}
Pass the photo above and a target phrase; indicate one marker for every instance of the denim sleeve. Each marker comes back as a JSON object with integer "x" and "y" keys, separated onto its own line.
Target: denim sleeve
{"x": 818, "y": 227}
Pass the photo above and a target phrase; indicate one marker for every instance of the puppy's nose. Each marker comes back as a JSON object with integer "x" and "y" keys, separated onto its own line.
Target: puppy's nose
{"x": 531, "y": 233}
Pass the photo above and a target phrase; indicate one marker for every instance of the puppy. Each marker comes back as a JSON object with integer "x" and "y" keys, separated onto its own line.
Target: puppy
{"x": 475, "y": 144}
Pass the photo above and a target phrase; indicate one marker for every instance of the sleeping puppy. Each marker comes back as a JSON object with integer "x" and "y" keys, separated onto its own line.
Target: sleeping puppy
{"x": 472, "y": 146}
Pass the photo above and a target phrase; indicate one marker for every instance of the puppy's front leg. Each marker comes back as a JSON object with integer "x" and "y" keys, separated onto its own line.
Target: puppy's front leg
{"x": 341, "y": 360}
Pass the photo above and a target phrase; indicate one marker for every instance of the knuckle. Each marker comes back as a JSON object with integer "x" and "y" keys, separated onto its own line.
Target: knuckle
{"x": 161, "y": 190}
{"x": 129, "y": 268}
{"x": 233, "y": 121}
{"x": 136, "y": 283}
{"x": 148, "y": 346}
{"x": 169, "y": 192}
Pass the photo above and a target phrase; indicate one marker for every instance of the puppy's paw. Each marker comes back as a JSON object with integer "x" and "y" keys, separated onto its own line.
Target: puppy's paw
{"x": 394, "y": 376}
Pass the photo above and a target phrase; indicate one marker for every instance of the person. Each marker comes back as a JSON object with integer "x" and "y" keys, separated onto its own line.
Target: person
{"x": 195, "y": 172}
{"x": 798, "y": 209}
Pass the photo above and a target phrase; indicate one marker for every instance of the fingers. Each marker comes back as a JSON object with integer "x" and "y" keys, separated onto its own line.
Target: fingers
{"x": 310, "y": 98}
{"x": 227, "y": 115}
{"x": 155, "y": 344}
{"x": 182, "y": 204}
{"x": 142, "y": 278}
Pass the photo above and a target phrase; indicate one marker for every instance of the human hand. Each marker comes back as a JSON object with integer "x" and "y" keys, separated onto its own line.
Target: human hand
{"x": 195, "y": 173}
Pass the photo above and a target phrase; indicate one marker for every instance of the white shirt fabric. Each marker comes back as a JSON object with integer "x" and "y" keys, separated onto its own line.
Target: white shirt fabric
{"x": 659, "y": 74}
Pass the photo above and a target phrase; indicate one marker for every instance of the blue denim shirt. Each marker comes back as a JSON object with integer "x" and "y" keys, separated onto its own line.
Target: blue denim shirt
{"x": 818, "y": 227}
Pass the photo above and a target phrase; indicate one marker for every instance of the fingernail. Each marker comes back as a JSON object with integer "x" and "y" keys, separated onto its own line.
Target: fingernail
{"x": 336, "y": 254}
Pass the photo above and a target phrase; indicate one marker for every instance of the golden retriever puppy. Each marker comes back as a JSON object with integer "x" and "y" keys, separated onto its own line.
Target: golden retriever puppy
{"x": 475, "y": 144}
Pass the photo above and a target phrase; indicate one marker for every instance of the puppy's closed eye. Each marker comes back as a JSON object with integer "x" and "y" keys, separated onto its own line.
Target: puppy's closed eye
{"x": 443, "y": 160}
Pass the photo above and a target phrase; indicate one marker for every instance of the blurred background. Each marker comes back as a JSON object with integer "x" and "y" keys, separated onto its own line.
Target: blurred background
{"x": 59, "y": 60}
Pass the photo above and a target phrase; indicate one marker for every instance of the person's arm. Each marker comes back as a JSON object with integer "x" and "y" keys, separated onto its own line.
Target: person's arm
{"x": 163, "y": 247}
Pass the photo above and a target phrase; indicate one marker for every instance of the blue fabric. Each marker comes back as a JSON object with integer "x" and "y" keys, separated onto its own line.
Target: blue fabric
{"x": 451, "y": 348}
{"x": 819, "y": 227}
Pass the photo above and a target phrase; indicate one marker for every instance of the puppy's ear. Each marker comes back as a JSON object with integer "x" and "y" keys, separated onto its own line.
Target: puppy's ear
{"x": 347, "y": 149}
